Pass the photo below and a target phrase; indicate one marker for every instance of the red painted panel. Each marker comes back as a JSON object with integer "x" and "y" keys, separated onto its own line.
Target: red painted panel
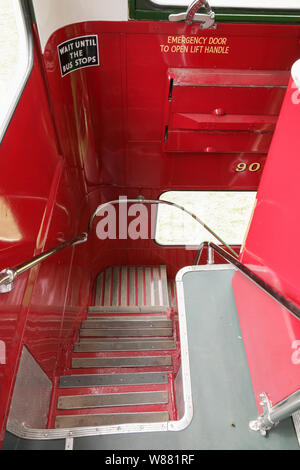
{"x": 221, "y": 122}
{"x": 127, "y": 97}
{"x": 39, "y": 208}
{"x": 277, "y": 206}
{"x": 271, "y": 334}
{"x": 190, "y": 171}
{"x": 110, "y": 122}
{"x": 235, "y": 100}
{"x": 218, "y": 142}
{"x": 245, "y": 78}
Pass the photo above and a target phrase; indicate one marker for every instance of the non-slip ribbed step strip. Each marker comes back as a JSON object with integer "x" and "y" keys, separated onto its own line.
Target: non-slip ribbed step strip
{"x": 135, "y": 288}
{"x": 137, "y": 332}
{"x": 114, "y": 399}
{"x": 78, "y": 421}
{"x": 129, "y": 309}
{"x": 97, "y": 380}
{"x": 122, "y": 345}
{"x": 172, "y": 295}
{"x": 126, "y": 322}
{"x": 100, "y": 362}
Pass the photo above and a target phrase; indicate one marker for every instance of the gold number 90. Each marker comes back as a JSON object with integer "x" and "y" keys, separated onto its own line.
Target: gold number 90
{"x": 253, "y": 167}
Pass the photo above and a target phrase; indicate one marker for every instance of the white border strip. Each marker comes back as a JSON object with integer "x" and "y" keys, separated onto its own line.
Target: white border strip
{"x": 25, "y": 65}
{"x": 52, "y": 15}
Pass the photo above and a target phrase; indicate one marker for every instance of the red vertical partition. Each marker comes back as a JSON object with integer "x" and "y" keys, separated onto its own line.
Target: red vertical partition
{"x": 38, "y": 209}
{"x": 271, "y": 334}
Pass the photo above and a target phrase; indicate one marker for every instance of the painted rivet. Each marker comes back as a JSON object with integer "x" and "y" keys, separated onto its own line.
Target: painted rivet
{"x": 209, "y": 149}
{"x": 219, "y": 112}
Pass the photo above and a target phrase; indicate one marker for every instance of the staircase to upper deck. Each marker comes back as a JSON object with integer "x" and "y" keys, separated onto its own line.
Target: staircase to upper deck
{"x": 124, "y": 364}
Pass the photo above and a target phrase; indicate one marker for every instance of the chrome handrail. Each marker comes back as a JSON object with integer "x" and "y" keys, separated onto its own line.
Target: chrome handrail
{"x": 9, "y": 275}
{"x": 141, "y": 200}
{"x": 275, "y": 294}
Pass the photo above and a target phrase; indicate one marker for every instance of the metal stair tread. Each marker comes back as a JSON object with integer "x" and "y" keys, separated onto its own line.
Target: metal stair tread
{"x": 118, "y": 322}
{"x": 91, "y": 380}
{"x": 111, "y": 332}
{"x": 111, "y": 400}
{"x": 125, "y": 339}
{"x": 123, "y": 288}
{"x": 145, "y": 361}
{"x": 129, "y": 345}
{"x": 133, "y": 317}
{"x": 128, "y": 309}
{"x": 76, "y": 421}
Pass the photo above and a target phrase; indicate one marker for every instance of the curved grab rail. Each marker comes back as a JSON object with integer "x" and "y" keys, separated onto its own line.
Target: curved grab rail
{"x": 9, "y": 275}
{"x": 276, "y": 295}
{"x": 157, "y": 202}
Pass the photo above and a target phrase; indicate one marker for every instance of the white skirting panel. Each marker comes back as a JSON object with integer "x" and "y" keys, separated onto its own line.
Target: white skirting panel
{"x": 52, "y": 15}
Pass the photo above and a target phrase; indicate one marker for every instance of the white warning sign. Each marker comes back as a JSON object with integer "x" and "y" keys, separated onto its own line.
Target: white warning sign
{"x": 78, "y": 53}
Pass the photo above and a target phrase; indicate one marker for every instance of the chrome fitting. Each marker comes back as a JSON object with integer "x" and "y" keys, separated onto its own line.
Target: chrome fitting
{"x": 263, "y": 423}
{"x": 83, "y": 238}
{"x": 7, "y": 279}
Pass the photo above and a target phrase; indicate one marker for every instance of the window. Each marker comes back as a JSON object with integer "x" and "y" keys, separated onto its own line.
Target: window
{"x": 227, "y": 213}
{"x": 240, "y": 11}
{"x": 15, "y": 58}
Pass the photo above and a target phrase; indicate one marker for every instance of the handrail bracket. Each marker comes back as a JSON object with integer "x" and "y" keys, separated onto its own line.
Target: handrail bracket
{"x": 7, "y": 276}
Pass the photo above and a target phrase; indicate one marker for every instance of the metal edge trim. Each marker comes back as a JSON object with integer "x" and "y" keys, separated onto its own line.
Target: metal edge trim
{"x": 47, "y": 434}
{"x": 30, "y": 61}
{"x": 185, "y": 421}
{"x": 185, "y": 364}
{"x": 205, "y": 267}
{"x": 23, "y": 432}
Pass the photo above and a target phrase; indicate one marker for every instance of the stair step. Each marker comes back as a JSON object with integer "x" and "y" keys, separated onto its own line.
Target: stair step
{"x": 138, "y": 287}
{"x": 125, "y": 345}
{"x": 126, "y": 322}
{"x": 114, "y": 399}
{"x": 111, "y": 332}
{"x": 128, "y": 309}
{"x": 75, "y": 421}
{"x": 97, "y": 380}
{"x": 158, "y": 361}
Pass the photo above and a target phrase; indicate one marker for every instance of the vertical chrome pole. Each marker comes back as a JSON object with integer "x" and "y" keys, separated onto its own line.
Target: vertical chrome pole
{"x": 210, "y": 255}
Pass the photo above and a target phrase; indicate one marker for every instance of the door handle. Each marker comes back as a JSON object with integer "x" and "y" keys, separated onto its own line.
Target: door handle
{"x": 206, "y": 20}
